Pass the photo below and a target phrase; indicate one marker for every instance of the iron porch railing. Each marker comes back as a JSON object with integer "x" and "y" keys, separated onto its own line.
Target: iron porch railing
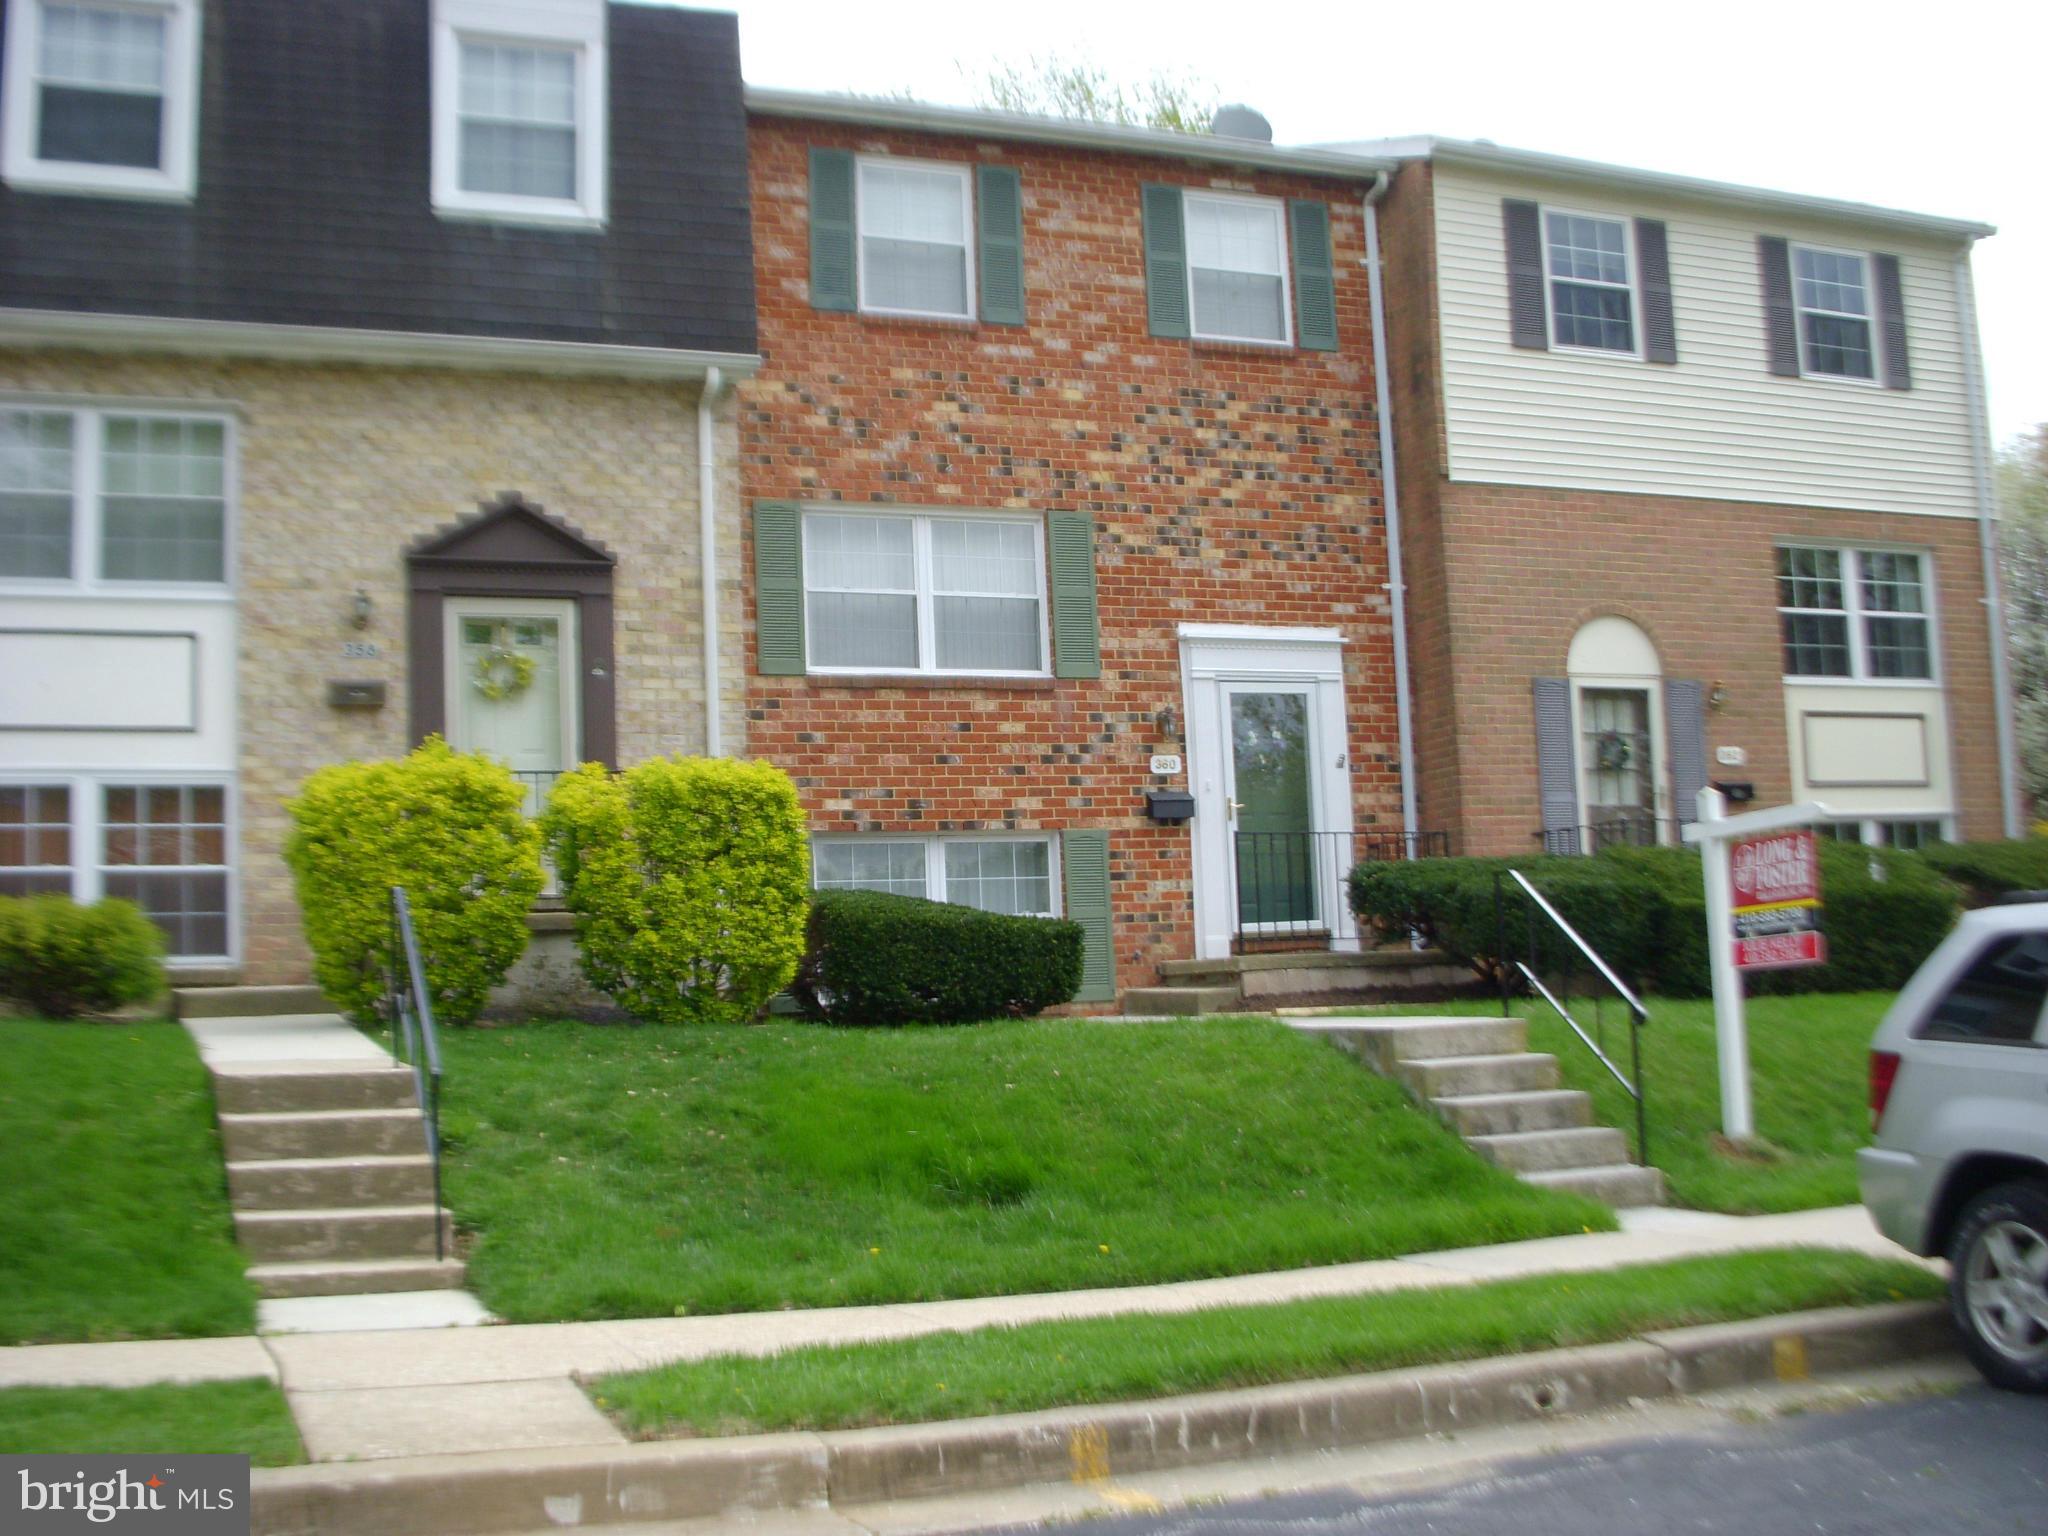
{"x": 414, "y": 1042}
{"x": 1291, "y": 886}
{"x": 1620, "y": 832}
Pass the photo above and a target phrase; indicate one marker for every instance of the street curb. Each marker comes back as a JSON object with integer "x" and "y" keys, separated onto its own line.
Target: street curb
{"x": 506, "y": 1492}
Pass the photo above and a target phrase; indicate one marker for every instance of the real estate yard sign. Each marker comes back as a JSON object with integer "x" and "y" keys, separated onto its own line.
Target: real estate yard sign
{"x": 1775, "y": 882}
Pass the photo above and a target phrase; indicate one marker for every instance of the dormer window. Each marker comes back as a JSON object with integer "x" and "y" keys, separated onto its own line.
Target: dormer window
{"x": 519, "y": 110}
{"x": 102, "y": 97}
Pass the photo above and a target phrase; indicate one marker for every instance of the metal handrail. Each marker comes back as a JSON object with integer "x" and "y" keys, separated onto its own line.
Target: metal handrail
{"x": 414, "y": 1040}
{"x": 1638, "y": 1015}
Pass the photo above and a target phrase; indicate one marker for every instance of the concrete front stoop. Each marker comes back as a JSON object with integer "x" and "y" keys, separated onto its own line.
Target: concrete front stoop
{"x": 1480, "y": 1078}
{"x": 1256, "y": 983}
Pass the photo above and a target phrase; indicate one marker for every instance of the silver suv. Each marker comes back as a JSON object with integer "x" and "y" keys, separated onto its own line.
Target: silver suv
{"x": 1959, "y": 1105}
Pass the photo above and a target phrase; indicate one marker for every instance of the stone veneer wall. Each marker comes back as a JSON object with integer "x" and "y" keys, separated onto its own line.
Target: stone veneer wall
{"x": 341, "y": 468}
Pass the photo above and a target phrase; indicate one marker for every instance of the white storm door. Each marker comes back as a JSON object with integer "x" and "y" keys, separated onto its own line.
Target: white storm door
{"x": 513, "y": 684}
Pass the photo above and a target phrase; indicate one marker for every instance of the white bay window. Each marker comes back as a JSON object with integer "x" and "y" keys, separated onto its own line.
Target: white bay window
{"x": 1011, "y": 875}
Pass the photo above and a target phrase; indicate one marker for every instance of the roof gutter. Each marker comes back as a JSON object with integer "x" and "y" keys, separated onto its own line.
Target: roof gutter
{"x": 1987, "y": 547}
{"x": 1390, "y": 500}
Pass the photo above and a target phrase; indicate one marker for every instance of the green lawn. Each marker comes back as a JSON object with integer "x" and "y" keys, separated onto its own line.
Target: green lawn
{"x": 645, "y": 1171}
{"x": 114, "y": 1216}
{"x": 1809, "y": 1075}
{"x": 1049, "y": 1365}
{"x": 230, "y": 1418}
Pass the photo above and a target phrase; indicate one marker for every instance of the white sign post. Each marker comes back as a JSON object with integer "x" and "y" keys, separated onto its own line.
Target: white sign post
{"x": 1714, "y": 832}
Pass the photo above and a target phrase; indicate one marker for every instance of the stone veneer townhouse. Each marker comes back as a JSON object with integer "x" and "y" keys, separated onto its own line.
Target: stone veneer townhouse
{"x": 290, "y": 292}
{"x": 1063, "y": 468}
{"x": 1691, "y": 487}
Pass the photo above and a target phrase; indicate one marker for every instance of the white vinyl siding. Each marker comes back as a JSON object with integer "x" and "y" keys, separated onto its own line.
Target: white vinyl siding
{"x": 1009, "y": 874}
{"x": 1718, "y": 424}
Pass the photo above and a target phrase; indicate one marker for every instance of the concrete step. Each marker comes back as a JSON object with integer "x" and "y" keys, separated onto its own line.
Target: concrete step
{"x": 323, "y": 1133}
{"x": 1182, "y": 1000}
{"x": 1618, "y": 1184}
{"x": 1384, "y": 1043}
{"x": 330, "y": 1183}
{"x": 371, "y": 1232}
{"x": 355, "y": 1277}
{"x": 245, "y": 1002}
{"x": 1457, "y": 1076}
{"x": 1497, "y": 1114}
{"x": 1234, "y": 966}
{"x": 1592, "y": 1146}
{"x": 258, "y": 1092}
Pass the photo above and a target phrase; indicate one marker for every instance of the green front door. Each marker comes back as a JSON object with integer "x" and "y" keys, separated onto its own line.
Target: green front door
{"x": 1272, "y": 817}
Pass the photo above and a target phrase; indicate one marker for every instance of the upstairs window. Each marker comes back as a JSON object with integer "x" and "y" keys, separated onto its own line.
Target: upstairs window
{"x": 1591, "y": 299}
{"x": 1237, "y": 268}
{"x": 915, "y": 254}
{"x": 520, "y": 115}
{"x": 102, "y": 97}
{"x": 1860, "y": 614}
{"x": 1831, "y": 290}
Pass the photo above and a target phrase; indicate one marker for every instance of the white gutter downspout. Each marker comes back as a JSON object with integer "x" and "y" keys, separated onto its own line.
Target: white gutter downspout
{"x": 707, "y": 547}
{"x": 1390, "y": 498}
{"x": 1987, "y": 544}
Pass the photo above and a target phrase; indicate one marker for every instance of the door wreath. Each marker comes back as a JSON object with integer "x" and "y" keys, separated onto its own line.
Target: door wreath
{"x": 502, "y": 673}
{"x": 1612, "y": 752}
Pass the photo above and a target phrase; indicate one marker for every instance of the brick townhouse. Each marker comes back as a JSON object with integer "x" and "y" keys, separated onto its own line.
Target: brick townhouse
{"x": 1691, "y": 480}
{"x": 291, "y": 297}
{"x": 1063, "y": 468}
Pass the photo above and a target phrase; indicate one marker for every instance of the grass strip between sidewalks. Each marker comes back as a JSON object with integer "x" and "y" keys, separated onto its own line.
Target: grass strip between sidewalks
{"x": 229, "y": 1418}
{"x": 1118, "y": 1359}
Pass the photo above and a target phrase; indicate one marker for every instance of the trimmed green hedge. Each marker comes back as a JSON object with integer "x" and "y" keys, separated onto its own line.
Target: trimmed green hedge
{"x": 60, "y": 959}
{"x": 1644, "y": 910}
{"x": 1987, "y": 871}
{"x": 875, "y": 958}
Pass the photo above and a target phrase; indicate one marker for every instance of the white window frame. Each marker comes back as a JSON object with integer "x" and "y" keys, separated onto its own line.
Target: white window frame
{"x": 964, "y": 174}
{"x": 1633, "y": 352}
{"x": 88, "y": 836}
{"x": 1868, "y": 317}
{"x": 1851, "y": 556}
{"x": 921, "y": 520}
{"x": 88, "y": 439}
{"x": 1868, "y": 828}
{"x": 579, "y": 31}
{"x": 1277, "y": 211}
{"x": 175, "y": 178}
{"x": 935, "y": 859}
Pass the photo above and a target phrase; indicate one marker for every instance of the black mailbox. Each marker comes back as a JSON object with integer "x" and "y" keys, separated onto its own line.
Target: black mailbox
{"x": 1172, "y": 806}
{"x": 346, "y": 694}
{"x": 1736, "y": 792}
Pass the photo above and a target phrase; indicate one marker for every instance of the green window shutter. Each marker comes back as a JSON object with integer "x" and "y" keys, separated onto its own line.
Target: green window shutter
{"x": 832, "y": 233}
{"x": 1076, "y": 638}
{"x": 1084, "y": 861}
{"x": 779, "y": 589}
{"x": 1166, "y": 262}
{"x": 999, "y": 207}
{"x": 1315, "y": 276}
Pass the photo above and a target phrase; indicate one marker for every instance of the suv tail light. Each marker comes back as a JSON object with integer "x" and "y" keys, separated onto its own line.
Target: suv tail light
{"x": 1884, "y": 1071}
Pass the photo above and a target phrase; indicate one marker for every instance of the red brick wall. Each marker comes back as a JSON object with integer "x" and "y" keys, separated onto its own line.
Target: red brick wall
{"x": 1228, "y": 484}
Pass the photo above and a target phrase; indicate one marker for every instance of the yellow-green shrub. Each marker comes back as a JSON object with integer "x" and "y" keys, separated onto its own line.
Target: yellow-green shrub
{"x": 690, "y": 881}
{"x": 60, "y": 959}
{"x": 445, "y": 825}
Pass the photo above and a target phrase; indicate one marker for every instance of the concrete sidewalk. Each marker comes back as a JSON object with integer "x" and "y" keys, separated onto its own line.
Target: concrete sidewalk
{"x": 392, "y": 1393}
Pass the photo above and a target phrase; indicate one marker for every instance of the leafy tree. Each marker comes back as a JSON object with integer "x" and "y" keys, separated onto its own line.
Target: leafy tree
{"x": 2023, "y": 573}
{"x": 1057, "y": 87}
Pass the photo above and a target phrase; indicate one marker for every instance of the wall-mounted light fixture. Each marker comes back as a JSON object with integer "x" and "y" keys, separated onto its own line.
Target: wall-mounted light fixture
{"x": 360, "y": 609}
{"x": 1167, "y": 724}
{"x": 1717, "y": 694}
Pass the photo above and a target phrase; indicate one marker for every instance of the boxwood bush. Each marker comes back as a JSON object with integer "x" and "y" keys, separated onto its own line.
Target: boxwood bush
{"x": 876, "y": 958}
{"x": 60, "y": 959}
{"x": 1644, "y": 910}
{"x": 1987, "y": 871}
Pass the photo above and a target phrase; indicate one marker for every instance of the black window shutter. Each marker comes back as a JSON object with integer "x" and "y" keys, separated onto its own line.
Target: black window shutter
{"x": 1660, "y": 321}
{"x": 1525, "y": 275}
{"x": 1891, "y": 321}
{"x": 1781, "y": 333}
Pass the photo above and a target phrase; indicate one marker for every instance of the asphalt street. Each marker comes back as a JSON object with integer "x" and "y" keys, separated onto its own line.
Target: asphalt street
{"x": 1971, "y": 1464}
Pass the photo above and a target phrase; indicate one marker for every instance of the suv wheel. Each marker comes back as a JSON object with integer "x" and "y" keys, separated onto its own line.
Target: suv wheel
{"x": 1998, "y": 1285}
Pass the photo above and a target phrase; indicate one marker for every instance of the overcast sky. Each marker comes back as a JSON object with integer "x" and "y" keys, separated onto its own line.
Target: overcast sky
{"x": 1939, "y": 109}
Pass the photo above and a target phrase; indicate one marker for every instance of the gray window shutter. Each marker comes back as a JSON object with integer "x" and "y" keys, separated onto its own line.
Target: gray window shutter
{"x": 1660, "y": 320}
{"x": 1685, "y": 734}
{"x": 1076, "y": 633}
{"x": 1557, "y": 785}
{"x": 779, "y": 589}
{"x": 832, "y": 233}
{"x": 1891, "y": 322}
{"x": 1781, "y": 333}
{"x": 1315, "y": 276}
{"x": 1524, "y": 232}
{"x": 999, "y": 207}
{"x": 1166, "y": 261}
{"x": 1084, "y": 866}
